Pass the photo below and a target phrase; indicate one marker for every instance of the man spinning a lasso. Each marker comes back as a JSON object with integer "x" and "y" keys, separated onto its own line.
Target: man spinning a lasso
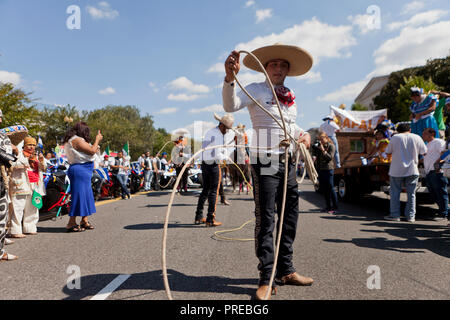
{"x": 267, "y": 157}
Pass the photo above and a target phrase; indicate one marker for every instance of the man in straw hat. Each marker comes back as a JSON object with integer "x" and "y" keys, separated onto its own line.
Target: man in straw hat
{"x": 211, "y": 173}
{"x": 5, "y": 145}
{"x": 279, "y": 61}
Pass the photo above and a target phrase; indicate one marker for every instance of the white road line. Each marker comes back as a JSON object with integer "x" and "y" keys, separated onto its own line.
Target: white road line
{"x": 102, "y": 295}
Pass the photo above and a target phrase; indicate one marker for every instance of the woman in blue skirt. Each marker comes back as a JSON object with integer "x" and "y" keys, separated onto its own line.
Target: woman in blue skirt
{"x": 80, "y": 155}
{"x": 422, "y": 109}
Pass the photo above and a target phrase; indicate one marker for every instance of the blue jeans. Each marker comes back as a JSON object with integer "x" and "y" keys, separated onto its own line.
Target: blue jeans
{"x": 437, "y": 185}
{"x": 148, "y": 178}
{"x": 122, "y": 178}
{"x": 410, "y": 184}
{"x": 326, "y": 181}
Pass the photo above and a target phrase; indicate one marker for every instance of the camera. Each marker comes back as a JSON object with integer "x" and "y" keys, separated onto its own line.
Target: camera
{"x": 6, "y": 158}
{"x": 316, "y": 145}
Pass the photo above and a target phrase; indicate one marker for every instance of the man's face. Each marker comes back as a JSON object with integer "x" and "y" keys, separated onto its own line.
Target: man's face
{"x": 222, "y": 128}
{"x": 120, "y": 155}
{"x": 277, "y": 71}
{"x": 48, "y": 156}
{"x": 147, "y": 154}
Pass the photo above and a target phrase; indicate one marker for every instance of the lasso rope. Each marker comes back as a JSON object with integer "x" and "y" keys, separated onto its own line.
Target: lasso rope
{"x": 285, "y": 143}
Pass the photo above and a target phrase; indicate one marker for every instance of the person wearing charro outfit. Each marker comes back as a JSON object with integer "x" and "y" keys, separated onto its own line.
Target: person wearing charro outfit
{"x": 268, "y": 167}
{"x": 211, "y": 172}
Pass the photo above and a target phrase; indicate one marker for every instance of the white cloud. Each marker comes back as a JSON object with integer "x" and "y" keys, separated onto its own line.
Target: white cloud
{"x": 107, "y": 91}
{"x": 212, "y": 108}
{"x": 263, "y": 14}
{"x": 360, "y": 21}
{"x": 184, "y": 97}
{"x": 198, "y": 129}
{"x": 167, "y": 111}
{"x": 419, "y": 19}
{"x": 345, "y": 93}
{"x": 153, "y": 85}
{"x": 249, "y": 3}
{"x": 217, "y": 68}
{"x": 10, "y": 77}
{"x": 310, "y": 77}
{"x": 104, "y": 11}
{"x": 321, "y": 40}
{"x": 413, "y": 7}
{"x": 186, "y": 84}
{"x": 412, "y": 47}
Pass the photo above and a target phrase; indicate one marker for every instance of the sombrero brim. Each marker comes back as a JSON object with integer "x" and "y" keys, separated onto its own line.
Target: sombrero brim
{"x": 218, "y": 118}
{"x": 300, "y": 61}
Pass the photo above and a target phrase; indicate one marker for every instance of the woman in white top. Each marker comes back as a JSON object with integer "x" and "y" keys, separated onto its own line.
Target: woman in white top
{"x": 80, "y": 154}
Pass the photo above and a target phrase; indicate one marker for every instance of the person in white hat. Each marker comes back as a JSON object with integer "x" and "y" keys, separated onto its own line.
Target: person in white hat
{"x": 279, "y": 61}
{"x": 211, "y": 172}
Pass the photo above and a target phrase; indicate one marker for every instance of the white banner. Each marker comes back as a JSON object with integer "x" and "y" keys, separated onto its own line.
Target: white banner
{"x": 357, "y": 121}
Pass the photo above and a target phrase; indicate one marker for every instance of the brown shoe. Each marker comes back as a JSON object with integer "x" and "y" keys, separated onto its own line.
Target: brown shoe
{"x": 201, "y": 221}
{"x": 295, "y": 279}
{"x": 262, "y": 292}
{"x": 213, "y": 224}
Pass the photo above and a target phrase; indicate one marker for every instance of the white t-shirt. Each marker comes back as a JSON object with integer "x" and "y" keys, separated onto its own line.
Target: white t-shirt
{"x": 329, "y": 127}
{"x": 405, "y": 149}
{"x": 435, "y": 148}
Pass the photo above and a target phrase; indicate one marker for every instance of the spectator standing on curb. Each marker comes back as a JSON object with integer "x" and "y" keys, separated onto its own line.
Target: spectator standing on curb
{"x": 436, "y": 182}
{"x": 405, "y": 148}
{"x": 123, "y": 165}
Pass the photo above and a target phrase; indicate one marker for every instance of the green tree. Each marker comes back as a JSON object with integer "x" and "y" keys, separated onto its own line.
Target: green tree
{"x": 17, "y": 109}
{"x": 359, "y": 107}
{"x": 57, "y": 120}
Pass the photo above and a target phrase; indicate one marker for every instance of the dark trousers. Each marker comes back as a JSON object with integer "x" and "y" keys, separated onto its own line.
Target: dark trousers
{"x": 183, "y": 181}
{"x": 326, "y": 185}
{"x": 437, "y": 185}
{"x": 211, "y": 181}
{"x": 268, "y": 196}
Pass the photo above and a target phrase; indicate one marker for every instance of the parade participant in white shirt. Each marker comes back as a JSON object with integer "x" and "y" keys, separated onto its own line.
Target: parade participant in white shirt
{"x": 279, "y": 61}
{"x": 211, "y": 172}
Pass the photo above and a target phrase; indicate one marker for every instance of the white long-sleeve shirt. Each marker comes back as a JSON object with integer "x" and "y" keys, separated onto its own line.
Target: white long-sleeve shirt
{"x": 266, "y": 132}
{"x": 214, "y": 137}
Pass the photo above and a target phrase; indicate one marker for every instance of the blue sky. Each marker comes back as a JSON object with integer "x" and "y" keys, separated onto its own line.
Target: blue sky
{"x": 166, "y": 57}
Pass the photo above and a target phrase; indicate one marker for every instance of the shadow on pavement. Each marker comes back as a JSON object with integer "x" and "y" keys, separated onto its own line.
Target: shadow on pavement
{"x": 153, "y": 281}
{"x": 173, "y": 205}
{"x": 157, "y": 226}
{"x": 416, "y": 238}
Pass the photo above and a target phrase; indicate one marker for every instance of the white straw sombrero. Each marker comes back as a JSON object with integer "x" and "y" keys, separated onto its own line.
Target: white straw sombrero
{"x": 227, "y": 120}
{"x": 300, "y": 61}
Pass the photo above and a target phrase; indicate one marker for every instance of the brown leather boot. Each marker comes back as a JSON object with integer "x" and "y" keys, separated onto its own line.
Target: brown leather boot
{"x": 295, "y": 279}
{"x": 262, "y": 291}
{"x": 213, "y": 224}
{"x": 201, "y": 221}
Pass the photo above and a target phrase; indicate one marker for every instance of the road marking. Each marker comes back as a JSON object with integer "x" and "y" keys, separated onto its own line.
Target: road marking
{"x": 102, "y": 295}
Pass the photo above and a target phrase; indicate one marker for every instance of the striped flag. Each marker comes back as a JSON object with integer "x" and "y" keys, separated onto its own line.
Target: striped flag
{"x": 40, "y": 144}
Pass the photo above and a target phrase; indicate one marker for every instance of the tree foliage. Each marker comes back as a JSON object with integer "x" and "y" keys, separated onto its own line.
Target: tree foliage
{"x": 359, "y": 107}
{"x": 17, "y": 108}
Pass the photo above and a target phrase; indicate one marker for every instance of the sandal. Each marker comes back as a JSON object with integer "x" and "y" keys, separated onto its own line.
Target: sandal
{"x": 8, "y": 257}
{"x": 75, "y": 228}
{"x": 87, "y": 226}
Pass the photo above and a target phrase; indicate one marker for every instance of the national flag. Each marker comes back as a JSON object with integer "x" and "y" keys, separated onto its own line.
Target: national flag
{"x": 40, "y": 144}
{"x": 126, "y": 150}
{"x": 107, "y": 150}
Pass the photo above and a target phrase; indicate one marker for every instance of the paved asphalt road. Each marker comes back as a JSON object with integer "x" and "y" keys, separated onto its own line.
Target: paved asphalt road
{"x": 336, "y": 251}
